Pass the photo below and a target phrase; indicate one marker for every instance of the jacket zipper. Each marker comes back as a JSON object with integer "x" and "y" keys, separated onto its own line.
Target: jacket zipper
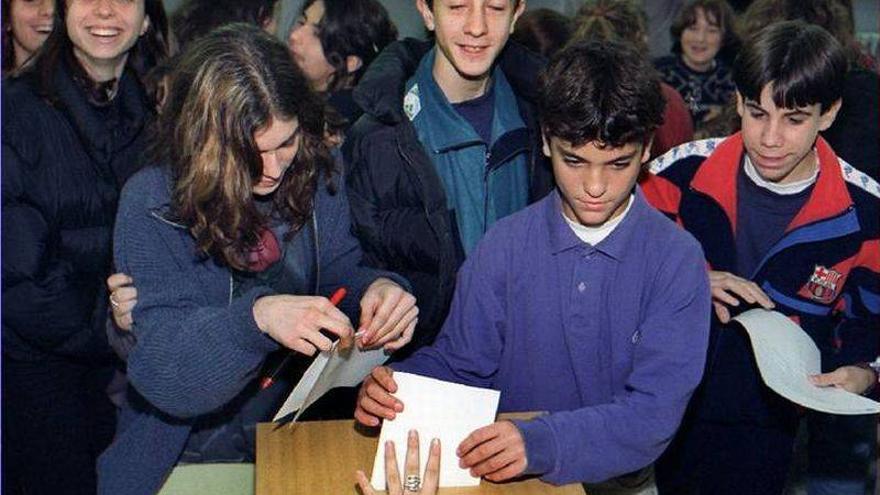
{"x": 486, "y": 173}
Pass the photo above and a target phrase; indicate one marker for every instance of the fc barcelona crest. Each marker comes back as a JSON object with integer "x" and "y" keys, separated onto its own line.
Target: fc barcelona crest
{"x": 823, "y": 284}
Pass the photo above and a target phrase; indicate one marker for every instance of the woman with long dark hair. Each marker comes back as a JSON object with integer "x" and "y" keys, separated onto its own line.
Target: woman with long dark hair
{"x": 333, "y": 42}
{"x": 26, "y": 25}
{"x": 73, "y": 128}
{"x": 233, "y": 239}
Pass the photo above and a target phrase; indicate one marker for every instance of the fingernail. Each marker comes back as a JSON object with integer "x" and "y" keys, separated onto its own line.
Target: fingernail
{"x": 411, "y": 433}
{"x": 398, "y": 407}
{"x": 435, "y": 441}
{"x": 388, "y": 444}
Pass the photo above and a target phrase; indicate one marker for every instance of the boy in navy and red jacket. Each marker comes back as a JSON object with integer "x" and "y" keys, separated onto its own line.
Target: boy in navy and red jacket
{"x": 786, "y": 225}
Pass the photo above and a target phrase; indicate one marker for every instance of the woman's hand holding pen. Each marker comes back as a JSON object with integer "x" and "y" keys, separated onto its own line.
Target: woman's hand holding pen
{"x": 388, "y": 315}
{"x": 296, "y": 322}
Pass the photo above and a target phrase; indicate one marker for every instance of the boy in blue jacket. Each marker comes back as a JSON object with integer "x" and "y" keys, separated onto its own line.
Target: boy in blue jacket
{"x": 787, "y": 225}
{"x": 588, "y": 304}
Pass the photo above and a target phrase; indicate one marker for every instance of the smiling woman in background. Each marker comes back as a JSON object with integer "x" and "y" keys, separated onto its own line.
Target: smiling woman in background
{"x": 26, "y": 25}
{"x": 73, "y": 128}
{"x": 703, "y": 43}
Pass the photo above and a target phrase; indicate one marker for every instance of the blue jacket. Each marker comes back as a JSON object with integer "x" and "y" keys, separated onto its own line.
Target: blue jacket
{"x": 824, "y": 272}
{"x": 399, "y": 203}
{"x": 197, "y": 347}
{"x": 609, "y": 339}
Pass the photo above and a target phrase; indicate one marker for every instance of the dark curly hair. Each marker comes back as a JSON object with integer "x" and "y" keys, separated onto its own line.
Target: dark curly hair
{"x": 227, "y": 86}
{"x": 600, "y": 91}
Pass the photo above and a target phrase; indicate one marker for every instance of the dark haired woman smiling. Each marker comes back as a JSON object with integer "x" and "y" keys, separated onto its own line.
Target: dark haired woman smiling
{"x": 73, "y": 128}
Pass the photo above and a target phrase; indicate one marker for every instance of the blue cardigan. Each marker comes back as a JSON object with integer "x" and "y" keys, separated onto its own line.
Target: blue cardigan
{"x": 197, "y": 346}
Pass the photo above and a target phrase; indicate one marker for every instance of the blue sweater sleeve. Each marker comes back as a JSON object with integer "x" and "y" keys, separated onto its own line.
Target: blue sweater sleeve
{"x": 191, "y": 356}
{"x": 468, "y": 348}
{"x": 600, "y": 442}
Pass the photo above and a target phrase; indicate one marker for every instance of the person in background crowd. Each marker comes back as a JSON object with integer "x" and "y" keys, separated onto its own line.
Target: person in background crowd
{"x": 73, "y": 131}
{"x": 660, "y": 14}
{"x": 221, "y": 237}
{"x": 785, "y": 225}
{"x": 567, "y": 307}
{"x": 196, "y": 18}
{"x": 624, "y": 21}
{"x": 26, "y": 25}
{"x": 543, "y": 31}
{"x": 333, "y": 42}
{"x": 703, "y": 43}
{"x": 853, "y": 136}
{"x": 447, "y": 145}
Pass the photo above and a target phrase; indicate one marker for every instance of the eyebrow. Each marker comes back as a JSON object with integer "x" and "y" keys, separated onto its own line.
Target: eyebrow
{"x": 286, "y": 142}
{"x": 788, "y": 112}
{"x": 625, "y": 157}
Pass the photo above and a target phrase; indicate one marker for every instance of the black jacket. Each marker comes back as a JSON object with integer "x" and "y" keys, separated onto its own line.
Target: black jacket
{"x": 854, "y": 134}
{"x": 63, "y": 168}
{"x": 399, "y": 206}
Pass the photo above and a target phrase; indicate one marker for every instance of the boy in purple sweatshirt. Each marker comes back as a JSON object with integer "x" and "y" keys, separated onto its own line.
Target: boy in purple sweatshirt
{"x": 589, "y": 304}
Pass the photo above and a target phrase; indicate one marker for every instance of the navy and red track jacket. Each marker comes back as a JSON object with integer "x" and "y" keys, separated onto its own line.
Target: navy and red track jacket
{"x": 824, "y": 272}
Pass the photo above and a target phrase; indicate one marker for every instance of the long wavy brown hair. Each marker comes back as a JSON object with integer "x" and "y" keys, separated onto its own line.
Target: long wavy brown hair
{"x": 228, "y": 86}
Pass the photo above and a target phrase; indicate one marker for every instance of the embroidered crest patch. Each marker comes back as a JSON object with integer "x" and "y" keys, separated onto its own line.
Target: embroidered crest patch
{"x": 823, "y": 285}
{"x": 412, "y": 105}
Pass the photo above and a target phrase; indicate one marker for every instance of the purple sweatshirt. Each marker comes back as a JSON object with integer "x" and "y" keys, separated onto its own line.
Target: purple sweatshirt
{"x": 609, "y": 339}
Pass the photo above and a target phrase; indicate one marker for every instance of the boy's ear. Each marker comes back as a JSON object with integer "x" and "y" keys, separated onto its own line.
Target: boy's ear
{"x": 520, "y": 8}
{"x": 427, "y": 14}
{"x": 740, "y": 104}
{"x": 827, "y": 118}
{"x": 545, "y": 144}
{"x": 353, "y": 63}
{"x": 646, "y": 151}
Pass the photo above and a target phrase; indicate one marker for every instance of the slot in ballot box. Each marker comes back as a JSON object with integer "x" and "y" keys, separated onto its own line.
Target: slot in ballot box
{"x": 320, "y": 457}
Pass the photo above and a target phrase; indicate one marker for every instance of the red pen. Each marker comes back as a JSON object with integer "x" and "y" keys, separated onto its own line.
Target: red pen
{"x": 267, "y": 381}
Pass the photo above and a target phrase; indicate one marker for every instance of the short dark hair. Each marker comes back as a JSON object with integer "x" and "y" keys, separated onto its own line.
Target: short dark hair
{"x": 600, "y": 91}
{"x": 543, "y": 31}
{"x": 719, "y": 10}
{"x": 196, "y": 18}
{"x": 621, "y": 20}
{"x": 352, "y": 27}
{"x": 835, "y": 16}
{"x": 805, "y": 64}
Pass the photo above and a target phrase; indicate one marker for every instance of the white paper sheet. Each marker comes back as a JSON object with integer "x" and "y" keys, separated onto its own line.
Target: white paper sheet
{"x": 331, "y": 369}
{"x": 786, "y": 356}
{"x": 435, "y": 409}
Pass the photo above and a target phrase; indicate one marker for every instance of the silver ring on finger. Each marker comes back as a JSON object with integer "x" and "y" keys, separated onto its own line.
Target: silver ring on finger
{"x": 413, "y": 483}
{"x": 114, "y": 302}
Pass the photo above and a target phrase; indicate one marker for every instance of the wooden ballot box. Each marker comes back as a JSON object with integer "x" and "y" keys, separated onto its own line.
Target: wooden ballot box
{"x": 320, "y": 457}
